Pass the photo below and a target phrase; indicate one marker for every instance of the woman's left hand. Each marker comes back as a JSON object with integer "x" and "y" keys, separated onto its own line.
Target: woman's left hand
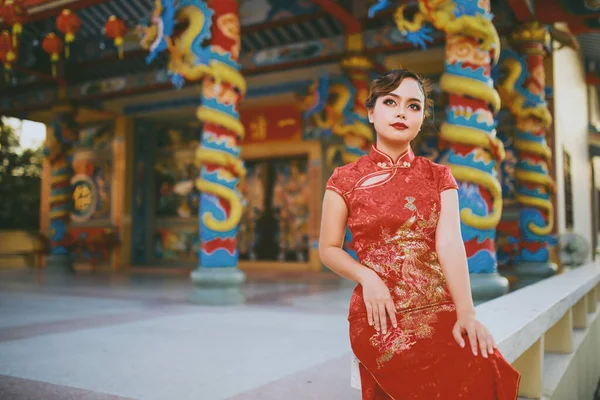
{"x": 476, "y": 332}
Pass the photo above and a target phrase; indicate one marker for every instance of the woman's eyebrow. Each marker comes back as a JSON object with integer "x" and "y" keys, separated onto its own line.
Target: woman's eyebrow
{"x": 409, "y": 100}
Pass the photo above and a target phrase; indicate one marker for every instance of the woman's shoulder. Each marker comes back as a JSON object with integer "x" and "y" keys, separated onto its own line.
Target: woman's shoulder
{"x": 346, "y": 175}
{"x": 432, "y": 166}
{"x": 439, "y": 173}
{"x": 357, "y": 167}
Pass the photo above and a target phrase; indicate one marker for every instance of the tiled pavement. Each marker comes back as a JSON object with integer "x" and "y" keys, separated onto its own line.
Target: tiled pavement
{"x": 136, "y": 337}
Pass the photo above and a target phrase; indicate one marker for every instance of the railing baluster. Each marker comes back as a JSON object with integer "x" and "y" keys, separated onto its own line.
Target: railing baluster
{"x": 559, "y": 339}
{"x": 592, "y": 297}
{"x": 580, "y": 310}
{"x": 530, "y": 365}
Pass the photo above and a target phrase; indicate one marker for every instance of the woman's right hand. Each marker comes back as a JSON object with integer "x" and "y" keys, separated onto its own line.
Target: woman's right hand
{"x": 378, "y": 301}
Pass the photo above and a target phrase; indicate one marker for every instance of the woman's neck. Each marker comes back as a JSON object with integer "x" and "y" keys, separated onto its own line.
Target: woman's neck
{"x": 394, "y": 151}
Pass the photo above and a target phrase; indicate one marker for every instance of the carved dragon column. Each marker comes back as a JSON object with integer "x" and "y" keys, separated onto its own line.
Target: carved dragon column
{"x": 522, "y": 89}
{"x": 59, "y": 151}
{"x": 472, "y": 45}
{"x": 507, "y": 233}
{"x": 217, "y": 279}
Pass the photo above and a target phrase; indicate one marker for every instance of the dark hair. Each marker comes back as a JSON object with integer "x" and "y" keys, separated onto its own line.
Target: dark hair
{"x": 388, "y": 82}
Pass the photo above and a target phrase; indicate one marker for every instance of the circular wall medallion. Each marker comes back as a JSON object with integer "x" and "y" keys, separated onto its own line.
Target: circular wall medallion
{"x": 85, "y": 198}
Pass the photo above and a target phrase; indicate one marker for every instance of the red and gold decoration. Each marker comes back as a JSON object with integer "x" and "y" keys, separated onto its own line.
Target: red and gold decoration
{"x": 116, "y": 29}
{"x": 225, "y": 31}
{"x": 14, "y": 14}
{"x": 8, "y": 52}
{"x": 68, "y": 23}
{"x": 53, "y": 45}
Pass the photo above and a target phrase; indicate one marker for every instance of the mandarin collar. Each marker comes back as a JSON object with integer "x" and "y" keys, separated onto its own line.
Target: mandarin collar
{"x": 384, "y": 161}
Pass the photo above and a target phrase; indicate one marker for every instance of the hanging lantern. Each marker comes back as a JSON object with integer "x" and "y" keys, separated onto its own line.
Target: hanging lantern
{"x": 15, "y": 15}
{"x": 69, "y": 24}
{"x": 53, "y": 45}
{"x": 7, "y": 52}
{"x": 116, "y": 29}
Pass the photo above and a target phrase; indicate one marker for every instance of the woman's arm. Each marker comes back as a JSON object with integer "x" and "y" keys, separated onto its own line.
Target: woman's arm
{"x": 377, "y": 296}
{"x": 451, "y": 253}
{"x": 334, "y": 217}
{"x": 453, "y": 260}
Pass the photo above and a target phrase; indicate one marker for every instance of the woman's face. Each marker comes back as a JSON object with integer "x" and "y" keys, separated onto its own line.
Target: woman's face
{"x": 398, "y": 115}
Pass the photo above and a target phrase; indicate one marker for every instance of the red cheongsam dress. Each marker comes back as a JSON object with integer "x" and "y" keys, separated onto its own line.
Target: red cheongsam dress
{"x": 393, "y": 210}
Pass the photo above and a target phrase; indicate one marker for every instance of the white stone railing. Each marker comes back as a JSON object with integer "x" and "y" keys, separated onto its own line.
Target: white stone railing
{"x": 550, "y": 332}
{"x": 543, "y": 328}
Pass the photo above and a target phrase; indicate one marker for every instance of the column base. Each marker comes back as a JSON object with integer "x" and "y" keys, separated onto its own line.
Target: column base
{"x": 487, "y": 286}
{"x": 528, "y": 273}
{"x": 217, "y": 286}
{"x": 59, "y": 264}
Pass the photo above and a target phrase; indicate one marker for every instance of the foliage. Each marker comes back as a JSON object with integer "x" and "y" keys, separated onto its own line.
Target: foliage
{"x": 20, "y": 182}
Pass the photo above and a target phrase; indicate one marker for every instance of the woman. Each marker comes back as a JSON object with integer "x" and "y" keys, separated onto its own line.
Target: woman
{"x": 412, "y": 320}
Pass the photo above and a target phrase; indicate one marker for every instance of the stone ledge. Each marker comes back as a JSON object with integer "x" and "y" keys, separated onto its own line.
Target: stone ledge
{"x": 518, "y": 319}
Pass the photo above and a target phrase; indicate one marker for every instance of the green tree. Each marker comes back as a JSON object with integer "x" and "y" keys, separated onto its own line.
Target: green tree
{"x": 20, "y": 182}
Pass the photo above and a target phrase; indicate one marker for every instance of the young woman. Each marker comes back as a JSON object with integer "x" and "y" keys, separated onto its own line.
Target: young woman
{"x": 412, "y": 319}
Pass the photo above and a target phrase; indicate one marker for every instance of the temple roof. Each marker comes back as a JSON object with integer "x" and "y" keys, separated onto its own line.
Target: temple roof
{"x": 268, "y": 26}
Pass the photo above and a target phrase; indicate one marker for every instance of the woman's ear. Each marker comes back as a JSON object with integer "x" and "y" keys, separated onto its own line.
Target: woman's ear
{"x": 370, "y": 114}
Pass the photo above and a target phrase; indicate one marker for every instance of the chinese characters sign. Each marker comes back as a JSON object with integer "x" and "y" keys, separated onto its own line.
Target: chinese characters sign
{"x": 273, "y": 123}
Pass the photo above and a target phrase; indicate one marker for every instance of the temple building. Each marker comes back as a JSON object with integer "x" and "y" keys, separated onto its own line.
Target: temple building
{"x": 197, "y": 136}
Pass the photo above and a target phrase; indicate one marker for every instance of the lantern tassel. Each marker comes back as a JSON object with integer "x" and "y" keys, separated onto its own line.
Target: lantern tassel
{"x": 69, "y": 38}
{"x": 119, "y": 43}
{"x": 17, "y": 29}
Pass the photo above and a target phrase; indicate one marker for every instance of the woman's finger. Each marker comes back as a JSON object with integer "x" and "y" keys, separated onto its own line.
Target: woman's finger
{"x": 369, "y": 313}
{"x": 482, "y": 339}
{"x": 489, "y": 340}
{"x": 382, "y": 318}
{"x": 376, "y": 317}
{"x": 472, "y": 338}
{"x": 457, "y": 333}
{"x": 391, "y": 309}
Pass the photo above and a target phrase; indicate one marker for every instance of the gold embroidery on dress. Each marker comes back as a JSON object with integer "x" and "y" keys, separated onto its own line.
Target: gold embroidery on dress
{"x": 407, "y": 259}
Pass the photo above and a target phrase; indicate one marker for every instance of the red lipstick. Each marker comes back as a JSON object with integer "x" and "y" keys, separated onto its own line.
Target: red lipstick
{"x": 400, "y": 126}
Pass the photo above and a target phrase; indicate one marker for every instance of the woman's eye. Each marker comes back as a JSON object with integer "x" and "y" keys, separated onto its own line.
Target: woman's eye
{"x": 415, "y": 107}
{"x": 389, "y": 102}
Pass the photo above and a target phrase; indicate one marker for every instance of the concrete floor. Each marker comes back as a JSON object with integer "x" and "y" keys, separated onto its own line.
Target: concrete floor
{"x": 136, "y": 337}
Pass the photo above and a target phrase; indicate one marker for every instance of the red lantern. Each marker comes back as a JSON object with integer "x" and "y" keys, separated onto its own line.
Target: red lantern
{"x": 69, "y": 24}
{"x": 116, "y": 29}
{"x": 15, "y": 15}
{"x": 53, "y": 45}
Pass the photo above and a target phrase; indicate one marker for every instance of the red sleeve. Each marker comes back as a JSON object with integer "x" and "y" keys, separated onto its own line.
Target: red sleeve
{"x": 446, "y": 180}
{"x": 333, "y": 183}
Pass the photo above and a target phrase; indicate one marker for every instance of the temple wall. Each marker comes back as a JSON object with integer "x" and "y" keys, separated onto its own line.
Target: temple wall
{"x": 571, "y": 138}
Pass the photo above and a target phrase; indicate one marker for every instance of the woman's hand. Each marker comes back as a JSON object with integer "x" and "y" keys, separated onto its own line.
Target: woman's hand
{"x": 476, "y": 332}
{"x": 378, "y": 301}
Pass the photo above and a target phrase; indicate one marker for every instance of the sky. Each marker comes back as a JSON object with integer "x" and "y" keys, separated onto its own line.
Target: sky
{"x": 32, "y": 134}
